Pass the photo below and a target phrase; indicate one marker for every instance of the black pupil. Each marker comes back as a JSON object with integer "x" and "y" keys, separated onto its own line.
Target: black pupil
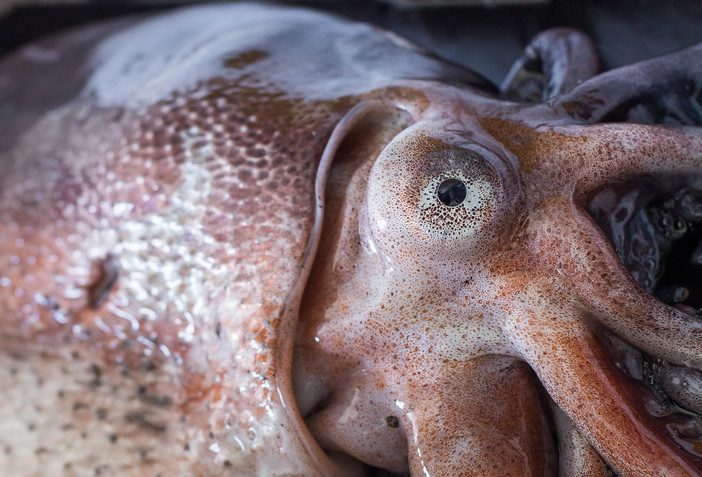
{"x": 452, "y": 192}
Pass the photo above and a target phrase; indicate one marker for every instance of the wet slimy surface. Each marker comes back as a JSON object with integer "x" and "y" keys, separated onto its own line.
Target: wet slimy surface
{"x": 253, "y": 240}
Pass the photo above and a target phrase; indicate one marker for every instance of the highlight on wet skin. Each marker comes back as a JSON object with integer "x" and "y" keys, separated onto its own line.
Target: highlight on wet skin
{"x": 231, "y": 246}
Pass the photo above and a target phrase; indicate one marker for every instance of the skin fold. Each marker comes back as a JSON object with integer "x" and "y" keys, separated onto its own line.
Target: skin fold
{"x": 226, "y": 248}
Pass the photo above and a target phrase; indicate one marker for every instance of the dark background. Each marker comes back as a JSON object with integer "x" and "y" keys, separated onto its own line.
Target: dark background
{"x": 487, "y": 39}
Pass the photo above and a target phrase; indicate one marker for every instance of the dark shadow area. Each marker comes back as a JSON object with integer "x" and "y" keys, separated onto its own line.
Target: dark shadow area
{"x": 486, "y": 39}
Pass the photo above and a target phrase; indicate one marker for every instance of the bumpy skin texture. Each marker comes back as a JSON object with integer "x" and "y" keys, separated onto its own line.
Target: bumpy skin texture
{"x": 222, "y": 252}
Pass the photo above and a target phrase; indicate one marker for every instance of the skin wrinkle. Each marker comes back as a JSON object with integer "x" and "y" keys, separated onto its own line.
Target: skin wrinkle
{"x": 223, "y": 252}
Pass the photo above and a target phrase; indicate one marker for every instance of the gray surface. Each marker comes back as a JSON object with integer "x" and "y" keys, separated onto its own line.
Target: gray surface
{"x": 487, "y": 40}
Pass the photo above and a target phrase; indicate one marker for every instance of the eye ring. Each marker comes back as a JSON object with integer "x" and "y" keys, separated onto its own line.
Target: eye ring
{"x": 452, "y": 192}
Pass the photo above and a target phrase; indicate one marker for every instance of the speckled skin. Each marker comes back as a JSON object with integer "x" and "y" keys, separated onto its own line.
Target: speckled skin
{"x": 221, "y": 254}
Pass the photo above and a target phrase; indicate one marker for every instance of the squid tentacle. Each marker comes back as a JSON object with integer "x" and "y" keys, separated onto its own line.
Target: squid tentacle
{"x": 663, "y": 90}
{"x": 575, "y": 370}
{"x": 555, "y": 61}
{"x": 480, "y": 417}
{"x": 604, "y": 290}
{"x": 577, "y": 457}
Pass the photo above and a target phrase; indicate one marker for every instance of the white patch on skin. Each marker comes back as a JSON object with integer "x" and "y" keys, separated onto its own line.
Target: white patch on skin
{"x": 351, "y": 411}
{"x": 175, "y": 51}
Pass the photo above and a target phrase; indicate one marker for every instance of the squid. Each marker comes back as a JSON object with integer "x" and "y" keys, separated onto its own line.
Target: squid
{"x": 259, "y": 240}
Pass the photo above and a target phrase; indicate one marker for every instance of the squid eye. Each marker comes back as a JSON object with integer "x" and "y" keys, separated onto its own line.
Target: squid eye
{"x": 435, "y": 198}
{"x": 452, "y": 192}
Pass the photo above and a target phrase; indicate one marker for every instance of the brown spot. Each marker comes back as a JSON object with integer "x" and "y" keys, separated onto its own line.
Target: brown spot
{"x": 140, "y": 419}
{"x": 152, "y": 399}
{"x": 107, "y": 278}
{"x": 584, "y": 108}
{"x": 245, "y": 59}
{"x": 392, "y": 421}
{"x": 97, "y": 375}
